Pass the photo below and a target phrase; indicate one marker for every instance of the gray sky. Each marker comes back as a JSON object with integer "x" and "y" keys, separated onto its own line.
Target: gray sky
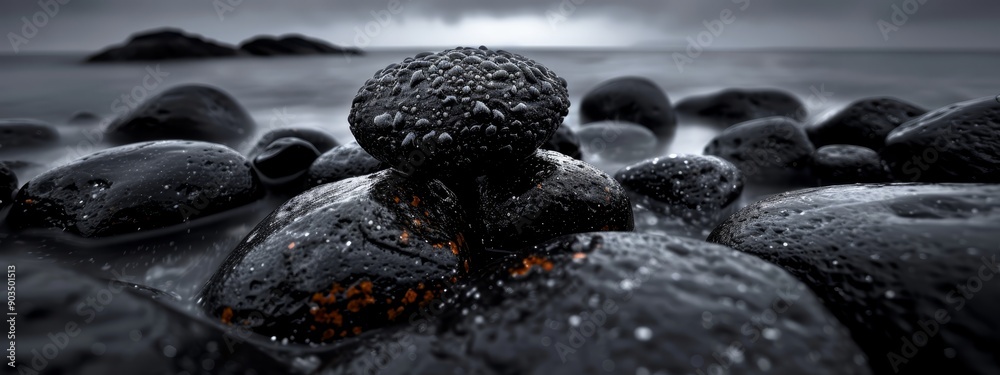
{"x": 85, "y": 25}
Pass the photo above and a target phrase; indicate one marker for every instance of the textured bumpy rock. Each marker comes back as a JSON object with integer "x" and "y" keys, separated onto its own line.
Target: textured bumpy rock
{"x": 69, "y": 323}
{"x": 631, "y": 99}
{"x": 764, "y": 149}
{"x": 907, "y": 268}
{"x": 165, "y": 44}
{"x": 865, "y": 122}
{"x": 292, "y": 45}
{"x": 848, "y": 164}
{"x": 8, "y": 184}
{"x": 341, "y": 162}
{"x": 285, "y": 159}
{"x": 564, "y": 141}
{"x": 342, "y": 259}
{"x": 616, "y": 141}
{"x": 546, "y": 196}
{"x": 136, "y": 187}
{"x": 460, "y": 111}
{"x": 319, "y": 139}
{"x": 957, "y": 143}
{"x": 625, "y": 303}
{"x": 733, "y": 106}
{"x": 685, "y": 184}
{"x": 21, "y": 133}
{"x": 192, "y": 112}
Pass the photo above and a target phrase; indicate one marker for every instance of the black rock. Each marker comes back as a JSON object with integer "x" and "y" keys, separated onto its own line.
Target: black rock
{"x": 848, "y": 164}
{"x": 193, "y": 112}
{"x": 69, "y": 323}
{"x": 458, "y": 112}
{"x": 546, "y": 196}
{"x": 733, "y": 106}
{"x": 164, "y": 44}
{"x": 8, "y": 185}
{"x": 905, "y": 267}
{"x": 957, "y": 143}
{"x": 136, "y": 187}
{"x": 624, "y": 303}
{"x": 84, "y": 118}
{"x": 630, "y": 99}
{"x": 319, "y": 139}
{"x": 23, "y": 133}
{"x": 341, "y": 162}
{"x": 285, "y": 159}
{"x": 564, "y": 141}
{"x": 765, "y": 149}
{"x": 617, "y": 141}
{"x": 292, "y": 45}
{"x": 342, "y": 259}
{"x": 865, "y": 122}
{"x": 688, "y": 185}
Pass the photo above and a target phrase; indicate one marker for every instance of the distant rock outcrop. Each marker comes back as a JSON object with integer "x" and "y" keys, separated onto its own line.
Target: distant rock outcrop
{"x": 293, "y": 45}
{"x": 170, "y": 44}
{"x": 164, "y": 44}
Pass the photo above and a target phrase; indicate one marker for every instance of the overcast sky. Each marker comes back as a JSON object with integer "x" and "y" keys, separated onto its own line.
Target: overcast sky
{"x": 92, "y": 24}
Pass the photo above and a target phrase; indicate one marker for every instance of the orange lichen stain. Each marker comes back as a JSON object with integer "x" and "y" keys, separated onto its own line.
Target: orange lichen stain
{"x": 357, "y": 331}
{"x": 453, "y": 246}
{"x": 355, "y": 305}
{"x": 438, "y": 246}
{"x": 396, "y": 199}
{"x": 343, "y": 334}
{"x": 460, "y": 239}
{"x": 539, "y": 186}
{"x": 312, "y": 328}
{"x": 427, "y": 213}
{"x": 531, "y": 262}
{"x": 291, "y": 246}
{"x": 363, "y": 291}
{"x": 330, "y": 297}
{"x": 29, "y": 201}
{"x": 405, "y": 237}
{"x": 416, "y": 222}
{"x": 410, "y": 296}
{"x": 579, "y": 255}
{"x": 466, "y": 264}
{"x": 227, "y": 315}
{"x": 415, "y": 202}
{"x": 428, "y": 296}
{"x": 393, "y": 313}
{"x": 420, "y": 286}
{"x": 329, "y": 334}
{"x": 320, "y": 315}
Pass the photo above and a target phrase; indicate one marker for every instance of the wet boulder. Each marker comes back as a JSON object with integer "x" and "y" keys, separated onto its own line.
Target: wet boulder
{"x": 8, "y": 185}
{"x": 848, "y": 164}
{"x": 865, "y": 122}
{"x": 907, "y": 268}
{"x": 564, "y": 141}
{"x": 190, "y": 112}
{"x": 342, "y": 162}
{"x": 458, "y": 112}
{"x": 18, "y": 134}
{"x": 957, "y": 143}
{"x": 70, "y": 323}
{"x": 546, "y": 196}
{"x": 630, "y": 99}
{"x": 624, "y": 303}
{"x": 319, "y": 139}
{"x": 766, "y": 149}
{"x": 616, "y": 141}
{"x": 689, "y": 186}
{"x": 137, "y": 187}
{"x": 733, "y": 106}
{"x": 342, "y": 259}
{"x": 285, "y": 160}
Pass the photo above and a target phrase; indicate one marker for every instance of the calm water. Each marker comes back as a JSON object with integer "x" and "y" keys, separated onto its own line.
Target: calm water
{"x": 317, "y": 91}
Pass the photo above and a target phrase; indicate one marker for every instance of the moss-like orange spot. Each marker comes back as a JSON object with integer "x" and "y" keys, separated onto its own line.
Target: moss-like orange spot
{"x": 291, "y": 246}
{"x": 529, "y": 263}
{"x": 227, "y": 315}
{"x": 415, "y": 202}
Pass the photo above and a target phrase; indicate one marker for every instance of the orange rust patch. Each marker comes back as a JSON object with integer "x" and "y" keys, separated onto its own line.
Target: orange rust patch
{"x": 428, "y": 295}
{"x": 405, "y": 237}
{"x": 396, "y": 199}
{"x": 393, "y": 313}
{"x": 320, "y": 315}
{"x": 357, "y": 331}
{"x": 29, "y": 201}
{"x": 410, "y": 297}
{"x": 416, "y": 222}
{"x": 355, "y": 305}
{"x": 579, "y": 255}
{"x": 416, "y": 201}
{"x": 329, "y": 333}
{"x": 291, "y": 246}
{"x": 420, "y": 286}
{"x": 453, "y": 246}
{"x": 227, "y": 315}
{"x": 466, "y": 264}
{"x": 529, "y": 263}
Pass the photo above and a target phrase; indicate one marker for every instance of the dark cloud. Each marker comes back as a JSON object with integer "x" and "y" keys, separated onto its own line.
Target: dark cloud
{"x": 90, "y": 24}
